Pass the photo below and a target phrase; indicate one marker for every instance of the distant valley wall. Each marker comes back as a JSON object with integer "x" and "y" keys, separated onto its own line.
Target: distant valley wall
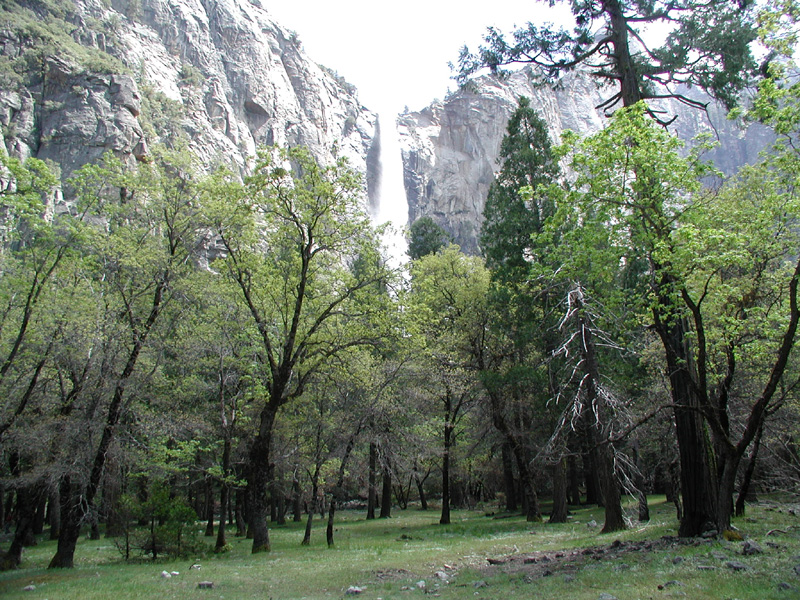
{"x": 218, "y": 76}
{"x": 450, "y": 149}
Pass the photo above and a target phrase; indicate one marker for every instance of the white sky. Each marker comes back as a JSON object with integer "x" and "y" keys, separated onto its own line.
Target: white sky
{"x": 396, "y": 53}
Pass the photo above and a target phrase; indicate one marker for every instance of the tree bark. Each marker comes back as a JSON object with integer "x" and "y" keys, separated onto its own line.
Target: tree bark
{"x": 372, "y": 497}
{"x": 744, "y": 491}
{"x": 258, "y": 482}
{"x": 386, "y": 491}
{"x": 448, "y": 433}
{"x": 209, "y": 505}
{"x": 224, "y": 493}
{"x": 508, "y": 476}
{"x": 698, "y": 493}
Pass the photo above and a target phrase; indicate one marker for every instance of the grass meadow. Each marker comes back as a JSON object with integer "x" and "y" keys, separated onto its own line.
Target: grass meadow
{"x": 481, "y": 555}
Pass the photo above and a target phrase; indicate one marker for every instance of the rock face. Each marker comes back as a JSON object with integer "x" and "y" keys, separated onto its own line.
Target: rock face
{"x": 219, "y": 76}
{"x": 450, "y": 149}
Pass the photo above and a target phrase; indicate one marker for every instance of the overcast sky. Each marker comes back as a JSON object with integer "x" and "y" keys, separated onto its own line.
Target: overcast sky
{"x": 396, "y": 53}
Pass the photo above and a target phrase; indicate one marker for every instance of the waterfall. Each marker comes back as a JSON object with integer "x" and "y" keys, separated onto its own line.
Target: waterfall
{"x": 391, "y": 205}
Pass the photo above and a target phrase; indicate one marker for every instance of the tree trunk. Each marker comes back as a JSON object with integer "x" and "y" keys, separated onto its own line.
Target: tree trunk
{"x": 224, "y": 493}
{"x": 372, "y": 497}
{"x": 27, "y": 501}
{"x": 559, "y": 512}
{"x": 423, "y": 502}
{"x": 386, "y": 491}
{"x": 698, "y": 493}
{"x": 258, "y": 482}
{"x": 241, "y": 521}
{"x": 209, "y": 505}
{"x": 297, "y": 500}
{"x": 744, "y": 491}
{"x": 508, "y": 476}
{"x": 448, "y": 432}
{"x": 71, "y": 517}
{"x": 727, "y": 485}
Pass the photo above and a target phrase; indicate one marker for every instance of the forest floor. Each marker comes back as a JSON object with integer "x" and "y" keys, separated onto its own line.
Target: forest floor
{"x": 482, "y": 554}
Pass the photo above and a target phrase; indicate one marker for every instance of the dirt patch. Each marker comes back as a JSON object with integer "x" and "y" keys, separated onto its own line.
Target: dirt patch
{"x": 533, "y": 565}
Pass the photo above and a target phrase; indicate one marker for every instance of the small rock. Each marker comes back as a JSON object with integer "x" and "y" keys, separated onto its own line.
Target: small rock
{"x": 569, "y": 578}
{"x": 718, "y": 556}
{"x": 547, "y": 573}
{"x": 421, "y": 585}
{"x": 605, "y": 596}
{"x": 205, "y": 585}
{"x": 354, "y": 591}
{"x": 195, "y": 566}
{"x": 480, "y": 584}
{"x": 705, "y": 568}
{"x": 750, "y": 547}
{"x": 786, "y": 587}
{"x": 592, "y": 524}
{"x": 667, "y": 584}
{"x": 735, "y": 565}
{"x": 622, "y": 567}
{"x": 711, "y": 533}
{"x": 165, "y": 575}
{"x": 29, "y": 588}
{"x": 174, "y": 573}
{"x": 442, "y": 575}
{"x": 677, "y": 560}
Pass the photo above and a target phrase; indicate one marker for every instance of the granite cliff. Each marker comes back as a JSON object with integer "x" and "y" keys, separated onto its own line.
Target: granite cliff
{"x": 219, "y": 76}
{"x": 450, "y": 148}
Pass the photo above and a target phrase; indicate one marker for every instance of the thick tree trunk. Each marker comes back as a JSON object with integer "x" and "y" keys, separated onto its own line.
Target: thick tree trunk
{"x": 27, "y": 501}
{"x": 448, "y": 433}
{"x": 258, "y": 482}
{"x": 71, "y": 518}
{"x": 508, "y": 476}
{"x": 699, "y": 496}
{"x": 559, "y": 512}
{"x": 727, "y": 484}
{"x": 386, "y": 491}
{"x": 372, "y": 494}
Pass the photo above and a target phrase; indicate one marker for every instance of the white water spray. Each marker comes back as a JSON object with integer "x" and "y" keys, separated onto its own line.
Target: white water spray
{"x": 391, "y": 205}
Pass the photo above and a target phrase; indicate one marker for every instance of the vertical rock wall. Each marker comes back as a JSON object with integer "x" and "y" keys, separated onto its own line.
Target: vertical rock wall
{"x": 451, "y": 148}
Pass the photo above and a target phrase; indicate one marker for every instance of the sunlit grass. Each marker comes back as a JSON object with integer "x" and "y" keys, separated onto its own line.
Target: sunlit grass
{"x": 389, "y": 557}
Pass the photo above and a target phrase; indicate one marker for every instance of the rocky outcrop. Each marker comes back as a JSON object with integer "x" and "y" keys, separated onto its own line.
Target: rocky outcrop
{"x": 219, "y": 76}
{"x": 450, "y": 149}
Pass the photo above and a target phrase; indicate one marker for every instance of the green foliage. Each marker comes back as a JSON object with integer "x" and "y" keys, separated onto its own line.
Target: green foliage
{"x": 708, "y": 46}
{"x": 512, "y": 219}
{"x": 169, "y": 524}
{"x": 42, "y": 31}
{"x": 425, "y": 237}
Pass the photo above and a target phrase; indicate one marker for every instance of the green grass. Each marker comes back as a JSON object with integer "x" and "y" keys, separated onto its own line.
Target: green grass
{"x": 388, "y": 558}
